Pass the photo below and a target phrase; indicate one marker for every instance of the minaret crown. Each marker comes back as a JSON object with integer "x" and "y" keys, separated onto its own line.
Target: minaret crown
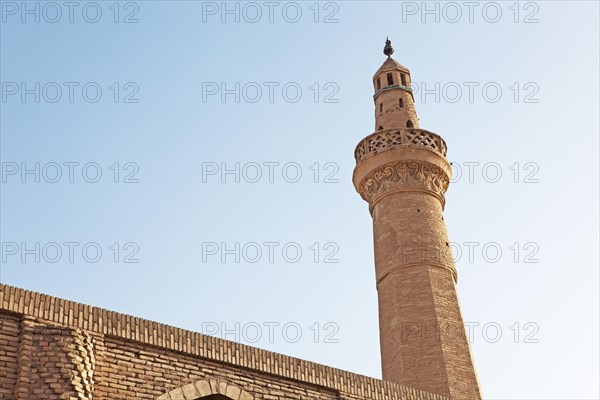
{"x": 394, "y": 101}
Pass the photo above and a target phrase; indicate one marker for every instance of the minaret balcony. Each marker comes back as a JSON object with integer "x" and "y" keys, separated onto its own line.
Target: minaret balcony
{"x": 384, "y": 140}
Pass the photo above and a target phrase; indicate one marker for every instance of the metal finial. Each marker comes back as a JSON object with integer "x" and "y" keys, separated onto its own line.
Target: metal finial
{"x": 388, "y": 50}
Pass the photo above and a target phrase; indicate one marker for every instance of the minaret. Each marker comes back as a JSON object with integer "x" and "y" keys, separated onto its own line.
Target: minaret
{"x": 403, "y": 173}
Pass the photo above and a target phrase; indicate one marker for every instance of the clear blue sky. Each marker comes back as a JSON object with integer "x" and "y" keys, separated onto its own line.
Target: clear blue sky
{"x": 167, "y": 132}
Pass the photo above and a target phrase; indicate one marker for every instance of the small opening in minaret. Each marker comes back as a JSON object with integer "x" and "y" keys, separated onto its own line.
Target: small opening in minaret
{"x": 403, "y": 78}
{"x": 381, "y": 107}
{"x": 418, "y": 210}
{"x": 400, "y": 103}
{"x": 378, "y": 83}
{"x": 409, "y": 124}
{"x": 380, "y": 128}
{"x": 390, "y": 79}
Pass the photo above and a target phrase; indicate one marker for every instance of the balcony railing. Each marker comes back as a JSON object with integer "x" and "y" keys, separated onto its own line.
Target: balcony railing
{"x": 391, "y": 138}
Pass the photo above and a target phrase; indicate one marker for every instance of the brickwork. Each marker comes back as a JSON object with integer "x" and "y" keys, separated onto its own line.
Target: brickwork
{"x": 403, "y": 174}
{"x": 54, "y": 349}
{"x": 9, "y": 354}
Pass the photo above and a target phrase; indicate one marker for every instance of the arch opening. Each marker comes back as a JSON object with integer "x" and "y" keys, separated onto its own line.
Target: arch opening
{"x": 207, "y": 390}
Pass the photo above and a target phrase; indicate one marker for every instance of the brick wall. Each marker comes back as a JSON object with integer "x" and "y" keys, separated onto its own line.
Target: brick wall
{"x": 52, "y": 348}
{"x": 9, "y": 347}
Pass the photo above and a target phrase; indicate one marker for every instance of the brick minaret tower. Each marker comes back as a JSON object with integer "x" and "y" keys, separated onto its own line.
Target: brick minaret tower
{"x": 403, "y": 173}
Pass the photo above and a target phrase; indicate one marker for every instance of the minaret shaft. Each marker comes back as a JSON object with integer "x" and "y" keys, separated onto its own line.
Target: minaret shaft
{"x": 403, "y": 173}
{"x": 423, "y": 340}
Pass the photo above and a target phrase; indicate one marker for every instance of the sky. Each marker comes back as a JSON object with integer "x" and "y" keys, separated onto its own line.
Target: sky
{"x": 190, "y": 162}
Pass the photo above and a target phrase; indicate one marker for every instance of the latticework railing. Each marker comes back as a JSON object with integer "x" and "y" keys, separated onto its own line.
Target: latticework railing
{"x": 388, "y": 139}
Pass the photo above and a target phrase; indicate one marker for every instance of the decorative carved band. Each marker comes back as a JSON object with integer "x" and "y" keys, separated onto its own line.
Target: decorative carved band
{"x": 401, "y": 176}
{"x": 385, "y": 140}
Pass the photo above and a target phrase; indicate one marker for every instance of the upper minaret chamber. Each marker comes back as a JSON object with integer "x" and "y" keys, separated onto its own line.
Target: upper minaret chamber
{"x": 403, "y": 173}
{"x": 394, "y": 101}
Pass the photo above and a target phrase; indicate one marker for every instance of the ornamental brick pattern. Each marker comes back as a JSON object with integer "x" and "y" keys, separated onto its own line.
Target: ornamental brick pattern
{"x": 55, "y": 349}
{"x": 403, "y": 173}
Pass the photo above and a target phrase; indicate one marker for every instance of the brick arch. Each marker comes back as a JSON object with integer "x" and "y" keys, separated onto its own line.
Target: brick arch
{"x": 200, "y": 389}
